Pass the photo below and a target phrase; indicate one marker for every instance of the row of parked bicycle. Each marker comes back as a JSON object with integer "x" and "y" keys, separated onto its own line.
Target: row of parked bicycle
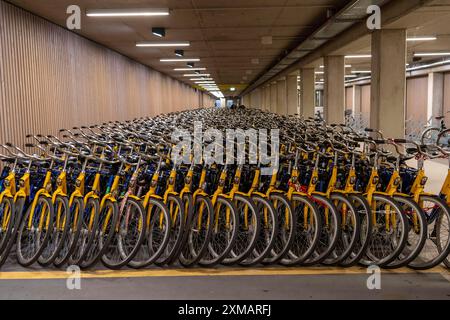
{"x": 113, "y": 193}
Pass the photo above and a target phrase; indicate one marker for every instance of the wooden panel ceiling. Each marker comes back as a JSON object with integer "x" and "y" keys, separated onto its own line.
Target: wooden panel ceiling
{"x": 225, "y": 35}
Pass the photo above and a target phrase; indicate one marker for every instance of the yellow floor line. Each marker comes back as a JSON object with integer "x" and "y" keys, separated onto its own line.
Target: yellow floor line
{"x": 36, "y": 275}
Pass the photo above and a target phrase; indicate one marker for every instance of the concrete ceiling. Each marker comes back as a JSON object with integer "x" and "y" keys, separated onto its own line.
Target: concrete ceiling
{"x": 432, "y": 19}
{"x": 225, "y": 35}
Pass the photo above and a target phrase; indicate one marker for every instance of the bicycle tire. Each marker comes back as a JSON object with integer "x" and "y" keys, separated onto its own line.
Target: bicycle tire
{"x": 350, "y": 229}
{"x": 59, "y": 234}
{"x": 176, "y": 233}
{"x": 6, "y": 221}
{"x": 268, "y": 231}
{"x": 330, "y": 232}
{"x": 363, "y": 208}
{"x": 39, "y": 245}
{"x": 426, "y": 260}
{"x": 89, "y": 224}
{"x": 412, "y": 248}
{"x": 379, "y": 233}
{"x": 127, "y": 238}
{"x": 102, "y": 238}
{"x": 306, "y": 234}
{"x": 157, "y": 235}
{"x": 199, "y": 227}
{"x": 217, "y": 252}
{"x": 71, "y": 240}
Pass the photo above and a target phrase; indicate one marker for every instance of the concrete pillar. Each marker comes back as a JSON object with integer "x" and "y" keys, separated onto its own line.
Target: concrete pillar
{"x": 356, "y": 99}
{"x": 267, "y": 98}
{"x": 273, "y": 97}
{"x": 334, "y": 89}
{"x": 387, "y": 102}
{"x": 307, "y": 92}
{"x": 435, "y": 97}
{"x": 292, "y": 94}
{"x": 281, "y": 97}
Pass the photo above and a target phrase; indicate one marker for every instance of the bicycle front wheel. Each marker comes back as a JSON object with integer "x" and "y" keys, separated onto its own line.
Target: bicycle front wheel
{"x": 267, "y": 234}
{"x": 34, "y": 232}
{"x": 199, "y": 232}
{"x": 437, "y": 244}
{"x": 128, "y": 236}
{"x": 225, "y": 225}
{"x": 389, "y": 232}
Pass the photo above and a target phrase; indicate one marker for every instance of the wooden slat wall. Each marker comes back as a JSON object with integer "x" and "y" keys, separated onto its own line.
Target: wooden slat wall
{"x": 51, "y": 78}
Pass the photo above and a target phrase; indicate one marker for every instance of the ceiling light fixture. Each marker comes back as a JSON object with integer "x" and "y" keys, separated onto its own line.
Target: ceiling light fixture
{"x": 361, "y": 71}
{"x": 232, "y": 89}
{"x": 159, "y": 32}
{"x": 201, "y": 79}
{"x": 189, "y": 69}
{"x": 163, "y": 44}
{"x": 421, "y": 38}
{"x": 144, "y": 12}
{"x": 431, "y": 54}
{"x": 196, "y": 75}
{"x": 347, "y": 66}
{"x": 179, "y": 60}
{"x": 190, "y": 64}
{"x": 179, "y": 53}
{"x": 358, "y": 56}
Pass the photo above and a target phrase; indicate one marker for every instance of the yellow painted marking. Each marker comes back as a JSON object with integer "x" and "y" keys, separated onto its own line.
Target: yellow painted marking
{"x": 36, "y": 275}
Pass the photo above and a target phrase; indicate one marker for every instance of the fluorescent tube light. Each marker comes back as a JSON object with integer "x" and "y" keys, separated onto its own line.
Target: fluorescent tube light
{"x": 425, "y": 38}
{"x": 179, "y": 60}
{"x": 138, "y": 12}
{"x": 163, "y": 44}
{"x": 196, "y": 74}
{"x": 431, "y": 54}
{"x": 358, "y": 56}
{"x": 189, "y": 69}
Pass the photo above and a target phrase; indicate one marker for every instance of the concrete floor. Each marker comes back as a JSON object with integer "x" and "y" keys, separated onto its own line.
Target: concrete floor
{"x": 275, "y": 283}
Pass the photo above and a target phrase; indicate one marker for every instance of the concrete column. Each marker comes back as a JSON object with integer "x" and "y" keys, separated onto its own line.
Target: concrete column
{"x": 356, "y": 99}
{"x": 292, "y": 94}
{"x": 267, "y": 99}
{"x": 435, "y": 97}
{"x": 387, "y": 102}
{"x": 281, "y": 97}
{"x": 273, "y": 97}
{"x": 334, "y": 89}
{"x": 307, "y": 92}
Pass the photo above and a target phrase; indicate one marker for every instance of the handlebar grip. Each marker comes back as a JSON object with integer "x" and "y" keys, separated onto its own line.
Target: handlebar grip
{"x": 379, "y": 141}
{"x": 29, "y": 145}
{"x": 400, "y": 141}
{"x": 369, "y": 130}
{"x": 359, "y": 139}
